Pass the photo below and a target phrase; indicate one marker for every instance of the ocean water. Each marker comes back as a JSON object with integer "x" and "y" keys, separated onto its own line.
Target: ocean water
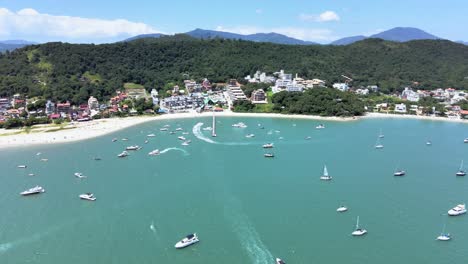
{"x": 245, "y": 208}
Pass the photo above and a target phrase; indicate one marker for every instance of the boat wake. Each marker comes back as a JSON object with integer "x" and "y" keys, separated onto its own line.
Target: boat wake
{"x": 246, "y": 232}
{"x": 178, "y": 149}
{"x": 196, "y": 130}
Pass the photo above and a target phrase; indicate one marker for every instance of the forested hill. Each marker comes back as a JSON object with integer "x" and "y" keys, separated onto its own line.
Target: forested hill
{"x": 73, "y": 72}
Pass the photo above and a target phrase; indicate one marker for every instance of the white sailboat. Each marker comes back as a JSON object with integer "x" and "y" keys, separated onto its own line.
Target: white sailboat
{"x": 213, "y": 131}
{"x": 461, "y": 170}
{"x": 325, "y": 176}
{"x": 358, "y": 231}
{"x": 443, "y": 236}
{"x": 378, "y": 144}
{"x": 381, "y": 135}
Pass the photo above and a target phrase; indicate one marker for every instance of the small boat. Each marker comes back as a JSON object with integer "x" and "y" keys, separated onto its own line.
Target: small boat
{"x": 207, "y": 128}
{"x": 154, "y": 152}
{"x": 123, "y": 154}
{"x": 213, "y": 131}
{"x": 22, "y": 166}
{"x": 186, "y": 143}
{"x": 268, "y": 145}
{"x": 250, "y": 136}
{"x": 167, "y": 126}
{"x": 151, "y": 135}
{"x": 342, "y": 209}
{"x": 325, "y": 176}
{"x": 187, "y": 241}
{"x": 281, "y": 138}
{"x": 44, "y": 160}
{"x": 381, "y": 135}
{"x": 239, "y": 125}
{"x": 31, "y": 174}
{"x": 88, "y": 196}
{"x": 457, "y": 210}
{"x": 308, "y": 138}
{"x": 444, "y": 236}
{"x": 269, "y": 155}
{"x": 163, "y": 129}
{"x": 146, "y": 141}
{"x": 182, "y": 138}
{"x": 461, "y": 171}
{"x": 321, "y": 126}
{"x": 124, "y": 139}
{"x": 378, "y": 144}
{"x": 185, "y": 133}
{"x": 136, "y": 147}
{"x": 172, "y": 132}
{"x": 39, "y": 153}
{"x": 79, "y": 175}
{"x": 399, "y": 172}
{"x": 179, "y": 129}
{"x": 465, "y": 140}
{"x": 35, "y": 190}
{"x": 358, "y": 231}
{"x": 114, "y": 139}
{"x": 428, "y": 143}
{"x": 280, "y": 261}
{"x": 97, "y": 158}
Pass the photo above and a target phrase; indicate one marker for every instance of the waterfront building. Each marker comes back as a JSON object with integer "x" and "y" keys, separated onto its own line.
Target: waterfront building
{"x": 410, "y": 95}
{"x": 400, "y": 108}
{"x": 235, "y": 92}
{"x": 154, "y": 96}
{"x": 258, "y": 97}
{"x": 63, "y": 107}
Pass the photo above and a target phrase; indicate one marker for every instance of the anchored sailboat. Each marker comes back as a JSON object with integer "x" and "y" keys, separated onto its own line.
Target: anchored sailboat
{"x": 461, "y": 170}
{"x": 378, "y": 144}
{"x": 325, "y": 176}
{"x": 444, "y": 236}
{"x": 213, "y": 131}
{"x": 358, "y": 231}
{"x": 381, "y": 135}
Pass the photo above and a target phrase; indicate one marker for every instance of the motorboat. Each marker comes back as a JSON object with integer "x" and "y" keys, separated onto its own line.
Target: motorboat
{"x": 185, "y": 133}
{"x": 163, "y": 129}
{"x": 280, "y": 261}
{"x": 167, "y": 126}
{"x": 399, "y": 173}
{"x": 123, "y": 154}
{"x": 461, "y": 171}
{"x": 172, "y": 132}
{"x": 239, "y": 125}
{"x": 114, "y": 139}
{"x": 151, "y": 135}
{"x": 146, "y": 141}
{"x": 79, "y": 175}
{"x": 428, "y": 143}
{"x": 250, "y": 136}
{"x": 268, "y": 145}
{"x": 124, "y": 139}
{"x": 35, "y": 190}
{"x": 136, "y": 147}
{"x": 321, "y": 126}
{"x": 88, "y": 196}
{"x": 179, "y": 129}
{"x": 97, "y": 158}
{"x": 457, "y": 210}
{"x": 182, "y": 138}
{"x": 381, "y": 135}
{"x": 325, "y": 176}
{"x": 22, "y": 166}
{"x": 44, "y": 160}
{"x": 308, "y": 138}
{"x": 342, "y": 209}
{"x": 39, "y": 153}
{"x": 31, "y": 174}
{"x": 465, "y": 140}
{"x": 186, "y": 143}
{"x": 154, "y": 152}
{"x": 187, "y": 241}
{"x": 358, "y": 231}
{"x": 269, "y": 155}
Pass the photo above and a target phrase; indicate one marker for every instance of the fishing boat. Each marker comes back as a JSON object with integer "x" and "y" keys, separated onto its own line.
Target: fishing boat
{"x": 342, "y": 209}
{"x": 123, "y": 154}
{"x": 321, "y": 126}
{"x": 151, "y": 135}
{"x": 213, "y": 131}
{"x": 22, "y": 166}
{"x": 358, "y": 231}
{"x": 325, "y": 176}
{"x": 457, "y": 210}
{"x": 378, "y": 144}
{"x": 88, "y": 196}
{"x": 136, "y": 147}
{"x": 280, "y": 261}
{"x": 35, "y": 190}
{"x": 461, "y": 171}
{"x": 269, "y": 155}
{"x": 79, "y": 175}
{"x": 249, "y": 135}
{"x": 187, "y": 241}
{"x": 268, "y": 145}
{"x": 381, "y": 135}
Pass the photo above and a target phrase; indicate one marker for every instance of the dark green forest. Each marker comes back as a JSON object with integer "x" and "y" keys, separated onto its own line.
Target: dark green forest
{"x": 61, "y": 71}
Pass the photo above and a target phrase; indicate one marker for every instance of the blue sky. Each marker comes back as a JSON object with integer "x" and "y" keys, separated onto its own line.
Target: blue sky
{"x": 322, "y": 21}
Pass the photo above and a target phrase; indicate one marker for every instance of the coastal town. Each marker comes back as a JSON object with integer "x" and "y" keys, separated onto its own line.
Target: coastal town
{"x": 198, "y": 96}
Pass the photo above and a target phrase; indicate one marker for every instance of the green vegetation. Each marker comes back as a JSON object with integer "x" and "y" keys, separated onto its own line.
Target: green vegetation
{"x": 133, "y": 86}
{"x": 92, "y": 78}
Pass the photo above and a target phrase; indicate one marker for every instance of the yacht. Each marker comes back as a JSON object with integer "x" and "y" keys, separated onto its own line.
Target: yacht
{"x": 269, "y": 145}
{"x": 114, "y": 139}
{"x": 457, "y": 210}
{"x": 136, "y": 147}
{"x": 179, "y": 129}
{"x": 358, "y": 231}
{"x": 88, "y": 196}
{"x": 466, "y": 140}
{"x": 461, "y": 170}
{"x": 342, "y": 209}
{"x": 151, "y": 135}
{"x": 35, "y": 190}
{"x": 239, "y": 125}
{"x": 280, "y": 261}
{"x": 321, "y": 126}
{"x": 22, "y": 166}
{"x": 399, "y": 172}
{"x": 163, "y": 129}
{"x": 124, "y": 139}
{"x": 250, "y": 136}
{"x": 154, "y": 152}
{"x": 325, "y": 176}
{"x": 269, "y": 155}
{"x": 187, "y": 241}
{"x": 378, "y": 145}
{"x": 123, "y": 154}
{"x": 186, "y": 143}
{"x": 79, "y": 175}
{"x": 182, "y": 138}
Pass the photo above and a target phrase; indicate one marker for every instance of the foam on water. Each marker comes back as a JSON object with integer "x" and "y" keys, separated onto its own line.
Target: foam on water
{"x": 177, "y": 149}
{"x": 196, "y": 130}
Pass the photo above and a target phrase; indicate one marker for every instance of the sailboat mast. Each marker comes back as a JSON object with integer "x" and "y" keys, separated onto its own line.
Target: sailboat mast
{"x": 213, "y": 132}
{"x": 357, "y": 223}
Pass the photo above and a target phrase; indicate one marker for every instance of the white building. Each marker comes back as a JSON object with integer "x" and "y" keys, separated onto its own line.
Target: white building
{"x": 93, "y": 103}
{"x": 400, "y": 108}
{"x": 410, "y": 95}
{"x": 154, "y": 96}
{"x": 362, "y": 91}
{"x": 341, "y": 86}
{"x": 236, "y": 93}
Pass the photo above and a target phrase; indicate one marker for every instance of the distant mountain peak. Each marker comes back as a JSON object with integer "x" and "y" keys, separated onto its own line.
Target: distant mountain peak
{"x": 403, "y": 34}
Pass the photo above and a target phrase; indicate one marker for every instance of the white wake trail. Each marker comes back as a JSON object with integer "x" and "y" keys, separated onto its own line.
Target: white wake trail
{"x": 177, "y": 149}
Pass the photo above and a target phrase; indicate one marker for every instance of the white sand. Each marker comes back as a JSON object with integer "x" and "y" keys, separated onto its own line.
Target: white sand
{"x": 430, "y": 118}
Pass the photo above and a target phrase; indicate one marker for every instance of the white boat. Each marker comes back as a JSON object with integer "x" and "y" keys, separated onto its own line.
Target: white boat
{"x": 31, "y": 174}
{"x": 79, "y": 175}
{"x": 35, "y": 190}
{"x": 154, "y": 152}
{"x": 457, "y": 210}
{"x": 124, "y": 139}
{"x": 167, "y": 126}
{"x": 269, "y": 155}
{"x": 186, "y": 143}
{"x": 187, "y": 241}
{"x": 358, "y": 231}
{"x": 172, "y": 132}
{"x": 213, "y": 131}
{"x": 151, "y": 135}
{"x": 461, "y": 171}
{"x": 114, "y": 139}
{"x": 146, "y": 141}
{"x": 207, "y": 128}
{"x": 185, "y": 133}
{"x": 123, "y": 154}
{"x": 22, "y": 166}
{"x": 239, "y": 125}
{"x": 399, "y": 172}
{"x": 39, "y": 153}
{"x": 321, "y": 126}
{"x": 342, "y": 209}
{"x": 182, "y": 138}
{"x": 268, "y": 145}
{"x": 465, "y": 140}
{"x": 308, "y": 138}
{"x": 179, "y": 129}
{"x": 88, "y": 196}
{"x": 378, "y": 144}
{"x": 428, "y": 143}
{"x": 136, "y": 147}
{"x": 325, "y": 176}
{"x": 250, "y": 136}
{"x": 444, "y": 236}
{"x": 163, "y": 129}
{"x": 381, "y": 135}
{"x": 280, "y": 261}
{"x": 44, "y": 160}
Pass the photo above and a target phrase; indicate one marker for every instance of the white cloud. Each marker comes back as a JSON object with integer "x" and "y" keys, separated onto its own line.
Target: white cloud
{"x": 308, "y": 34}
{"x": 29, "y": 23}
{"x": 326, "y": 16}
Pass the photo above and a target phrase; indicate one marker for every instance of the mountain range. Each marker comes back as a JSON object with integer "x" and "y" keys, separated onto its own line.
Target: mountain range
{"x": 14, "y": 44}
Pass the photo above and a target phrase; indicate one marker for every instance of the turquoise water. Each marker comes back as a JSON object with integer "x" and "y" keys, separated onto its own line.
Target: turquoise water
{"x": 244, "y": 207}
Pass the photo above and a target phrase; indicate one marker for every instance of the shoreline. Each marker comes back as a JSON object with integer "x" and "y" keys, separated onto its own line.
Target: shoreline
{"x": 73, "y": 132}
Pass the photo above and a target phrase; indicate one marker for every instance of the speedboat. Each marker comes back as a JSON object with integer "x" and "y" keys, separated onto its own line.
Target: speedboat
{"x": 22, "y": 166}
{"x": 123, "y": 154}
{"x": 124, "y": 139}
{"x": 136, "y": 147}
{"x": 163, "y": 129}
{"x": 466, "y": 140}
{"x": 342, "y": 209}
{"x": 250, "y": 136}
{"x": 151, "y": 135}
{"x": 167, "y": 126}
{"x": 269, "y": 145}
{"x": 39, "y": 153}
{"x": 308, "y": 138}
{"x": 182, "y": 138}
{"x": 269, "y": 155}
{"x": 428, "y": 143}
{"x": 187, "y": 241}
{"x": 457, "y": 210}
{"x": 172, "y": 132}
{"x": 44, "y": 160}
{"x": 146, "y": 141}
{"x": 321, "y": 126}
{"x": 444, "y": 237}
{"x": 399, "y": 173}
{"x": 240, "y": 125}
{"x": 186, "y": 143}
{"x": 114, "y": 139}
{"x": 154, "y": 152}
{"x": 179, "y": 129}
{"x": 35, "y": 190}
{"x": 88, "y": 196}
{"x": 79, "y": 175}
{"x": 31, "y": 174}
{"x": 280, "y": 261}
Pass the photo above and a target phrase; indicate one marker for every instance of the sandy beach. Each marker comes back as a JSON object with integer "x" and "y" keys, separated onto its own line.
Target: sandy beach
{"x": 50, "y": 134}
